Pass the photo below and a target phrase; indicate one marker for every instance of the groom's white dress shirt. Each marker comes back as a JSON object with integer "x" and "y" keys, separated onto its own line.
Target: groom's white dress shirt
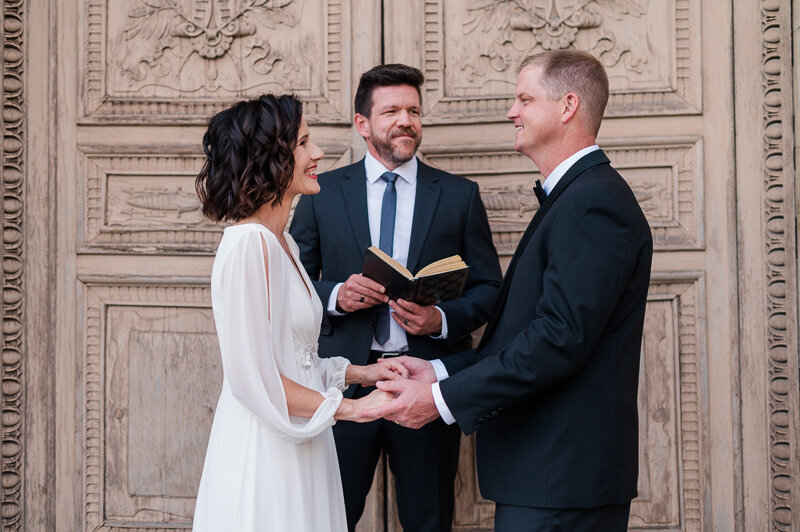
{"x": 549, "y": 183}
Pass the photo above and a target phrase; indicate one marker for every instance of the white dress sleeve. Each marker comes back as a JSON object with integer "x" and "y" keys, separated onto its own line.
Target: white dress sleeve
{"x": 256, "y": 339}
{"x": 333, "y": 371}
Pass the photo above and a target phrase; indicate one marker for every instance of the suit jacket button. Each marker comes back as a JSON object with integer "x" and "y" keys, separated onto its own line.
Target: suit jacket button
{"x": 371, "y": 324}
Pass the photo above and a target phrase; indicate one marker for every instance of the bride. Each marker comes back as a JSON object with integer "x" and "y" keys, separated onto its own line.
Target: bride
{"x": 271, "y": 462}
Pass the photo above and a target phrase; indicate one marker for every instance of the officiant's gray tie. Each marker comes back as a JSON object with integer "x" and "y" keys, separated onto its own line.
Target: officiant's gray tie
{"x": 386, "y": 243}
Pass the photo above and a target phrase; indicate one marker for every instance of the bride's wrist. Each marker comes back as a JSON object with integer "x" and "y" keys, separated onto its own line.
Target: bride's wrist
{"x": 346, "y": 410}
{"x": 355, "y": 374}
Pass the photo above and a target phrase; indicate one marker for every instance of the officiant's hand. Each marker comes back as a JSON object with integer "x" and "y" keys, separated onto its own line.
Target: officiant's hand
{"x": 413, "y": 406}
{"x": 416, "y": 319}
{"x": 359, "y": 292}
{"x": 418, "y": 369}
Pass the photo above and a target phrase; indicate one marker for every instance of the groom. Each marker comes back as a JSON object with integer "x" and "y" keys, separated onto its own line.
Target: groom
{"x": 552, "y": 388}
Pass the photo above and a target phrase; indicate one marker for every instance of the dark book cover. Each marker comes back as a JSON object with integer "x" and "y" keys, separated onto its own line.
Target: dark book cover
{"x": 427, "y": 289}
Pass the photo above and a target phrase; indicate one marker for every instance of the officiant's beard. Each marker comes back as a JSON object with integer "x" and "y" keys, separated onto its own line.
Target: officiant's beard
{"x": 401, "y": 152}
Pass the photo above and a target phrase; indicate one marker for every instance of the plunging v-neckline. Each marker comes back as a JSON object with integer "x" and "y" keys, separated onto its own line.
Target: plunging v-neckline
{"x": 286, "y": 254}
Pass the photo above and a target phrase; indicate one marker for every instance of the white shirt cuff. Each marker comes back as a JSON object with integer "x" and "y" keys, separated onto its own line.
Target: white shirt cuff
{"x": 447, "y": 416}
{"x": 441, "y": 371}
{"x": 442, "y": 335}
{"x": 332, "y": 301}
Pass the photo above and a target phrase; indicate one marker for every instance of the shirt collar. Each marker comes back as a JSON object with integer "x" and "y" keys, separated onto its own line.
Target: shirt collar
{"x": 407, "y": 171}
{"x": 555, "y": 176}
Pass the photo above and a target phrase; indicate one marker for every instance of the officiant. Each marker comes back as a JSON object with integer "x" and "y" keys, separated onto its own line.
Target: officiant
{"x": 417, "y": 214}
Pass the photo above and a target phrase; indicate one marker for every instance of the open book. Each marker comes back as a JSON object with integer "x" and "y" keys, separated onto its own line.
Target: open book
{"x": 439, "y": 281}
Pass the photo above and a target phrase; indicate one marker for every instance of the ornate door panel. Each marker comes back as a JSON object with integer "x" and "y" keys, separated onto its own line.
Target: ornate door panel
{"x": 137, "y": 86}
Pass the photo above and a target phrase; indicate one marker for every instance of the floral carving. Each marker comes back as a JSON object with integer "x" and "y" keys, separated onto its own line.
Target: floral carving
{"x": 553, "y": 24}
{"x": 210, "y": 28}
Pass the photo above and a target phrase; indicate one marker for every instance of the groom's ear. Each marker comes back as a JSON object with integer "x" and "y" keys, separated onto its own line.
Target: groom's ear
{"x": 569, "y": 106}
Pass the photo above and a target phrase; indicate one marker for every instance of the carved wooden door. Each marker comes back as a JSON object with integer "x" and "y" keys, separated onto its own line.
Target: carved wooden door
{"x": 138, "y": 369}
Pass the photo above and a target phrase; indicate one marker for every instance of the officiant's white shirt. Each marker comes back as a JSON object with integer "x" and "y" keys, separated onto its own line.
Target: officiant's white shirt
{"x": 406, "y": 188}
{"x": 548, "y": 185}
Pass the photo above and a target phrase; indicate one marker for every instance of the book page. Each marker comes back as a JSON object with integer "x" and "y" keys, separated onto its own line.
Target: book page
{"x": 444, "y": 265}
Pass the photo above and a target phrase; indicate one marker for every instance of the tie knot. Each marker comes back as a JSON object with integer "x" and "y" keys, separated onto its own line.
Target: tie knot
{"x": 389, "y": 177}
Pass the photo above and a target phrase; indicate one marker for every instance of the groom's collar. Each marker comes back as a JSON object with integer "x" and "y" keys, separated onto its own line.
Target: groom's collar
{"x": 555, "y": 176}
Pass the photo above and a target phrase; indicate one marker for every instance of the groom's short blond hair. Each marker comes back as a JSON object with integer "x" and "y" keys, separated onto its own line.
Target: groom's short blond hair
{"x": 565, "y": 71}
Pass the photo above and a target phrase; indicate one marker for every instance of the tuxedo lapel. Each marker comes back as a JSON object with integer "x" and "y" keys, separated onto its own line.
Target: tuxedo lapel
{"x": 427, "y": 196}
{"x": 354, "y": 191}
{"x": 592, "y": 159}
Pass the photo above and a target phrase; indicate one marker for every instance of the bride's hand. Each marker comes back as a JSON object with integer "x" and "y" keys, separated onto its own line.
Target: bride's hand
{"x": 350, "y": 408}
{"x": 376, "y": 399}
{"x": 384, "y": 370}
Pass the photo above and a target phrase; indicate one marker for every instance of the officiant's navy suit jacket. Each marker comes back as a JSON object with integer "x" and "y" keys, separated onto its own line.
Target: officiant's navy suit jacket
{"x": 552, "y": 388}
{"x": 332, "y": 231}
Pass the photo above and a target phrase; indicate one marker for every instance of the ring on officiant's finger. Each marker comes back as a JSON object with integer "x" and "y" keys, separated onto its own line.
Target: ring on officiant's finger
{"x": 405, "y": 322}
{"x": 362, "y": 299}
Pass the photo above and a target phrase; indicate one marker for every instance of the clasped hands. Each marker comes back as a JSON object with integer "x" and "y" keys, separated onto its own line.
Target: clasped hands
{"x": 403, "y": 396}
{"x": 404, "y": 383}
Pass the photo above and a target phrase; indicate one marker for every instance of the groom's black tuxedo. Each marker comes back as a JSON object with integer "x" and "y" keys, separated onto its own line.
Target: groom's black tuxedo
{"x": 332, "y": 232}
{"x": 552, "y": 388}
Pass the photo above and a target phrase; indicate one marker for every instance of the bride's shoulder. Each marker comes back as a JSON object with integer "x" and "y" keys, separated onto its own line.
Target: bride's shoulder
{"x": 243, "y": 240}
{"x": 242, "y": 234}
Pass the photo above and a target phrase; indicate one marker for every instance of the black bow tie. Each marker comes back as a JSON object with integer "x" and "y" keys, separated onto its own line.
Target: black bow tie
{"x": 541, "y": 195}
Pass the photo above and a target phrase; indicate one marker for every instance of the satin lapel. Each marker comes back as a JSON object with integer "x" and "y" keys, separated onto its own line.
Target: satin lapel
{"x": 427, "y": 196}
{"x": 592, "y": 159}
{"x": 354, "y": 190}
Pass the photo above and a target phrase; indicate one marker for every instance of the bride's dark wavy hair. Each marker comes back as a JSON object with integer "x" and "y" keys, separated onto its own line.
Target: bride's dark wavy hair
{"x": 249, "y": 151}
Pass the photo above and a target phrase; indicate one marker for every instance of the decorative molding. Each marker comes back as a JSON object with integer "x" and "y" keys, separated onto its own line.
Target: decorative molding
{"x": 665, "y": 173}
{"x": 160, "y": 61}
{"x": 106, "y": 493}
{"x": 13, "y": 160}
{"x": 483, "y": 42}
{"x": 672, "y": 422}
{"x": 472, "y": 512}
{"x": 779, "y": 239}
{"x": 139, "y": 200}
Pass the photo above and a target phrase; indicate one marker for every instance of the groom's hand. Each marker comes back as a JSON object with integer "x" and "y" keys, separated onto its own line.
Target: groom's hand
{"x": 418, "y": 369}
{"x": 416, "y": 319}
{"x": 413, "y": 406}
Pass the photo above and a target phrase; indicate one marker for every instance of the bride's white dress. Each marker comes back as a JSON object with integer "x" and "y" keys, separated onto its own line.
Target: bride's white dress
{"x": 264, "y": 469}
